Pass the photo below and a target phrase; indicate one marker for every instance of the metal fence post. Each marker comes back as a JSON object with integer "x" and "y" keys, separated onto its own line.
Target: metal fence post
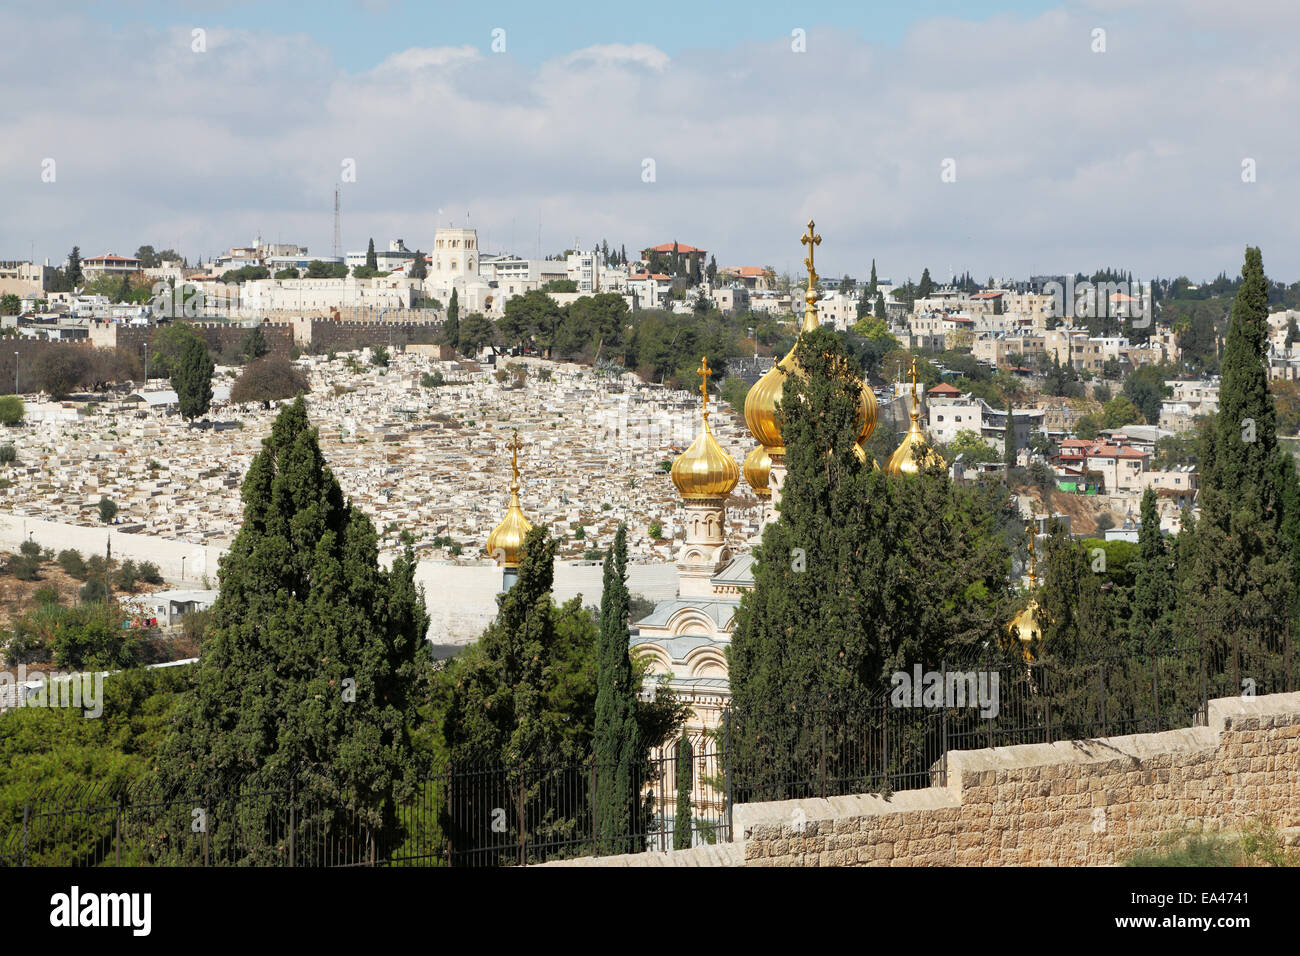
{"x": 726, "y": 720}
{"x": 523, "y": 838}
{"x": 943, "y": 724}
{"x": 117, "y": 834}
{"x": 293, "y": 820}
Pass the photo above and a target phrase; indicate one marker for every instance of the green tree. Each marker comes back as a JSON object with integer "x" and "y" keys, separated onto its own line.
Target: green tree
{"x": 372, "y": 262}
{"x": 267, "y": 380}
{"x": 419, "y": 266}
{"x": 310, "y": 668}
{"x": 107, "y": 510}
{"x": 926, "y": 286}
{"x": 616, "y": 742}
{"x": 12, "y": 410}
{"x": 1120, "y": 411}
{"x": 191, "y": 377}
{"x": 1151, "y": 621}
{"x": 451, "y": 328}
{"x": 10, "y": 304}
{"x": 880, "y": 307}
{"x": 682, "y": 818}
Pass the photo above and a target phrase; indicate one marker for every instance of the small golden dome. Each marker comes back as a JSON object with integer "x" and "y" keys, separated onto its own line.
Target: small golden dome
{"x": 914, "y": 452}
{"x": 758, "y": 468}
{"x": 765, "y": 395}
{"x": 1026, "y": 628}
{"x": 506, "y": 541}
{"x": 704, "y": 470}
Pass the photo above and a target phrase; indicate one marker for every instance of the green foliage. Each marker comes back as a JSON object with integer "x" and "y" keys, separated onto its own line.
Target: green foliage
{"x": 682, "y": 820}
{"x": 107, "y": 509}
{"x": 655, "y": 530}
{"x": 327, "y": 644}
{"x": 616, "y": 743}
{"x": 269, "y": 379}
{"x": 969, "y": 444}
{"x": 72, "y": 563}
{"x": 433, "y": 379}
{"x": 379, "y": 356}
{"x": 11, "y": 410}
{"x": 733, "y": 392}
{"x": 1145, "y": 387}
{"x": 316, "y": 269}
{"x": 91, "y": 635}
{"x": 1121, "y": 411}
{"x": 191, "y": 377}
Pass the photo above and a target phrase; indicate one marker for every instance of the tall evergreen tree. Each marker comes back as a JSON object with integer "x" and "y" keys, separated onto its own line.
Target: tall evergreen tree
{"x": 616, "y": 739}
{"x": 191, "y": 377}
{"x": 871, "y": 288}
{"x": 682, "y": 818}
{"x": 1247, "y": 426}
{"x": 926, "y": 286}
{"x": 310, "y": 668}
{"x": 1150, "y": 626}
{"x": 372, "y": 261}
{"x": 419, "y": 267}
{"x": 74, "y": 276}
{"x": 1009, "y": 443}
{"x": 880, "y": 306}
{"x": 451, "y": 328}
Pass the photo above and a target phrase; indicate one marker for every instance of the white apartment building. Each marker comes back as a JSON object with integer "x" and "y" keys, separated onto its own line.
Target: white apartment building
{"x": 1191, "y": 399}
{"x": 320, "y": 295}
{"x": 951, "y": 414}
{"x": 395, "y": 257}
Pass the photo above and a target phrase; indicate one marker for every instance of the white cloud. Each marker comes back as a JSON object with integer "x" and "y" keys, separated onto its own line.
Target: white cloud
{"x": 1065, "y": 158}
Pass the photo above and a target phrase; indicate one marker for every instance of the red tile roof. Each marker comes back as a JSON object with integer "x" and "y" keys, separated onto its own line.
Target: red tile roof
{"x": 943, "y": 388}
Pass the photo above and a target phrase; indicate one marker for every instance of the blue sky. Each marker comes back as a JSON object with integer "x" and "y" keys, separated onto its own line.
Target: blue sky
{"x": 1068, "y": 155}
{"x": 361, "y": 33}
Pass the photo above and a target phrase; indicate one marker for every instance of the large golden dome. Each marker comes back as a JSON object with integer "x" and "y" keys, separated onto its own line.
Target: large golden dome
{"x": 758, "y": 468}
{"x": 704, "y": 470}
{"x": 914, "y": 453}
{"x": 765, "y": 395}
{"x": 506, "y": 541}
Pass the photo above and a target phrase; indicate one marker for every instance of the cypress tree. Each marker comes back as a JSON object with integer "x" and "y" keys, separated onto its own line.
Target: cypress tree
{"x": 497, "y": 714}
{"x": 880, "y": 306}
{"x": 451, "y": 328}
{"x": 372, "y": 261}
{"x": 192, "y": 379}
{"x": 419, "y": 268}
{"x": 1247, "y": 427}
{"x": 309, "y": 670}
{"x": 616, "y": 743}
{"x": 682, "y": 819}
{"x": 1149, "y": 626}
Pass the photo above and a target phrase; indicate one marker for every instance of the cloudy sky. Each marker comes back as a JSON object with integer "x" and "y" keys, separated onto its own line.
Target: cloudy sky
{"x": 1064, "y": 157}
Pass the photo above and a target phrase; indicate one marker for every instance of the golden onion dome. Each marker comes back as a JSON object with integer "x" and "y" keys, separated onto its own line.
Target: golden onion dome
{"x": 758, "y": 468}
{"x": 914, "y": 452}
{"x": 704, "y": 470}
{"x": 765, "y": 395}
{"x": 506, "y": 541}
{"x": 1026, "y": 628}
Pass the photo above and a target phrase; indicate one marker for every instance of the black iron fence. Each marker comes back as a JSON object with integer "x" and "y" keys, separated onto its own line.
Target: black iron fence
{"x": 495, "y": 815}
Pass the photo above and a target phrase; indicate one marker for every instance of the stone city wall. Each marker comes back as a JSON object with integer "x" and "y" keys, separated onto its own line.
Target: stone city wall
{"x": 1072, "y": 803}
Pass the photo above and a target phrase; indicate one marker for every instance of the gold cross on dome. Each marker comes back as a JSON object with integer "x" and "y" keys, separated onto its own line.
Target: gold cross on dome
{"x": 811, "y": 240}
{"x": 704, "y": 372}
{"x": 514, "y": 445}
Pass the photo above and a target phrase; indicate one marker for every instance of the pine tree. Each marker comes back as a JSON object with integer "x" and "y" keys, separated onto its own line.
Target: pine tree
{"x": 927, "y": 285}
{"x": 192, "y": 379}
{"x": 616, "y": 740}
{"x": 871, "y": 288}
{"x": 372, "y": 261}
{"x": 682, "y": 819}
{"x": 74, "y": 269}
{"x": 880, "y": 306}
{"x": 310, "y": 668}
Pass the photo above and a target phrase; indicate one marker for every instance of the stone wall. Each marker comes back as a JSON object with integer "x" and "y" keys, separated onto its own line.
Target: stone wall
{"x": 1091, "y": 802}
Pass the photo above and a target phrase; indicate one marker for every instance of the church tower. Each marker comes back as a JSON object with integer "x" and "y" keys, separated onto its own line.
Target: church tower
{"x": 704, "y": 475}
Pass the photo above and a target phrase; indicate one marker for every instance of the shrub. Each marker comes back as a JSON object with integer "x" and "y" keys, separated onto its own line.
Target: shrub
{"x": 11, "y": 409}
{"x": 8, "y": 454}
{"x": 73, "y": 564}
{"x": 149, "y": 573}
{"x": 126, "y": 575}
{"x": 48, "y": 594}
{"x": 93, "y": 591}
{"x": 655, "y": 530}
